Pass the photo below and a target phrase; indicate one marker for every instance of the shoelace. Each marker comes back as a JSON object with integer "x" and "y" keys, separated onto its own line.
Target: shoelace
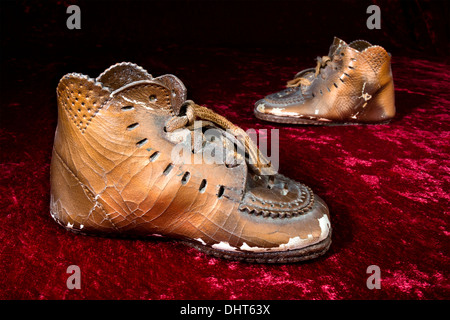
{"x": 297, "y": 82}
{"x": 257, "y": 161}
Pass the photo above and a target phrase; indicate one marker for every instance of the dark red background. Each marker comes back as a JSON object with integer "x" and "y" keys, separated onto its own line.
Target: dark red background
{"x": 387, "y": 186}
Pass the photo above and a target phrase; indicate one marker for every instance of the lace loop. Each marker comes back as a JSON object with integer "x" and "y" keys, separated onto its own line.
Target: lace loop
{"x": 257, "y": 161}
{"x": 299, "y": 81}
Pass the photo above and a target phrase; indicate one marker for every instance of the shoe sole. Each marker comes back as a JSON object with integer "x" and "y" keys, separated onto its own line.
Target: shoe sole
{"x": 289, "y": 256}
{"x": 292, "y": 120}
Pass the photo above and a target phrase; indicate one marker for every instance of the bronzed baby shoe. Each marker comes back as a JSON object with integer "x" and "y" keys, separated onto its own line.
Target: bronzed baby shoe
{"x": 352, "y": 85}
{"x": 113, "y": 172}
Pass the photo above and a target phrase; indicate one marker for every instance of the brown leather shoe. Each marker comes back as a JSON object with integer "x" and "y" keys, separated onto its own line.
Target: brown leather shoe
{"x": 352, "y": 85}
{"x": 113, "y": 173}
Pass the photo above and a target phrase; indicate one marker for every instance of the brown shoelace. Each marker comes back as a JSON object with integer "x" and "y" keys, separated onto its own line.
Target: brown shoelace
{"x": 297, "y": 82}
{"x": 257, "y": 161}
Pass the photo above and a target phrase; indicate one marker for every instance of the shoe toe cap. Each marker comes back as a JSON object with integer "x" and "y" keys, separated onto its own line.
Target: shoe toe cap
{"x": 281, "y": 219}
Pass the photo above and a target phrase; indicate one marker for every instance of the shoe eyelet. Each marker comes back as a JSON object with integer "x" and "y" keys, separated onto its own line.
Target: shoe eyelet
{"x": 154, "y": 156}
{"x": 220, "y": 192}
{"x": 132, "y": 126}
{"x": 168, "y": 169}
{"x": 203, "y": 185}
{"x": 185, "y": 178}
{"x": 141, "y": 142}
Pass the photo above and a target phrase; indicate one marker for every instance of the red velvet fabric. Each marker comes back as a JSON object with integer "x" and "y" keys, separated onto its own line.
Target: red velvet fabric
{"x": 386, "y": 186}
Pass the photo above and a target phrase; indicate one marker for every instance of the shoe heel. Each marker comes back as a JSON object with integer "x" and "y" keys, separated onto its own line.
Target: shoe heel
{"x": 380, "y": 107}
{"x": 72, "y": 205}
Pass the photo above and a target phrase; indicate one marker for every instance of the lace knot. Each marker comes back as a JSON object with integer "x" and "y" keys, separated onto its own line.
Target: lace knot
{"x": 190, "y": 111}
{"x": 299, "y": 81}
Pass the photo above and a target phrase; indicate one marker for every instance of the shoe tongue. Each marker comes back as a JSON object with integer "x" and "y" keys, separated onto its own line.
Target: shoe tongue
{"x": 336, "y": 46}
{"x": 166, "y": 92}
{"x": 177, "y": 89}
{"x": 121, "y": 74}
{"x": 121, "y": 77}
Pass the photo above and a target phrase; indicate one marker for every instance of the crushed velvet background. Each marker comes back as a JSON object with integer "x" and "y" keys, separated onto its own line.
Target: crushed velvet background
{"x": 387, "y": 186}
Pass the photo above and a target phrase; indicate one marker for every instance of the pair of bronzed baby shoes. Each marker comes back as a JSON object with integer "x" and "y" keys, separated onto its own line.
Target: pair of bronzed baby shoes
{"x": 116, "y": 169}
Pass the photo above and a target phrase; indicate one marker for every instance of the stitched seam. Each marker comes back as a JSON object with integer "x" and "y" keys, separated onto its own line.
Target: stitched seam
{"x": 301, "y": 209}
{"x": 95, "y": 113}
